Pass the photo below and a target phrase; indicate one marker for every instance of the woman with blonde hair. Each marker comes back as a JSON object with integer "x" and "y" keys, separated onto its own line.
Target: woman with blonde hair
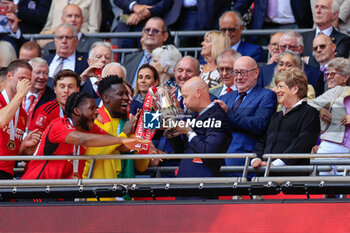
{"x": 213, "y": 44}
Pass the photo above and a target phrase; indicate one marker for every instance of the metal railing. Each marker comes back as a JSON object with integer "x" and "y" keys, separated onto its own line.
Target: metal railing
{"x": 200, "y": 185}
{"x": 175, "y": 34}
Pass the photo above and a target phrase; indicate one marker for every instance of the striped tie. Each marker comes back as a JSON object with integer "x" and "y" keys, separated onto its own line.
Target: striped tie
{"x": 59, "y": 66}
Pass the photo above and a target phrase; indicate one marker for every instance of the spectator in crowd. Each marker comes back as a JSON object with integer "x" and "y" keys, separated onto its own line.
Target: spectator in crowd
{"x": 147, "y": 76}
{"x": 225, "y": 61}
{"x": 274, "y": 14}
{"x": 100, "y": 55}
{"x": 200, "y": 139}
{"x": 154, "y": 34}
{"x": 231, "y": 23}
{"x": 70, "y": 137}
{"x": 114, "y": 68}
{"x": 186, "y": 68}
{"x": 342, "y": 23}
{"x": 13, "y": 117}
{"x": 135, "y": 16}
{"x": 113, "y": 120}
{"x": 32, "y": 15}
{"x": 326, "y": 11}
{"x": 8, "y": 53}
{"x": 195, "y": 15}
{"x": 3, "y": 76}
{"x": 66, "y": 56}
{"x": 10, "y": 32}
{"x": 164, "y": 59}
{"x": 91, "y": 15}
{"x": 249, "y": 109}
{"x": 213, "y": 44}
{"x": 39, "y": 93}
{"x": 273, "y": 47}
{"x": 72, "y": 14}
{"x": 334, "y": 110}
{"x": 65, "y": 83}
{"x": 292, "y": 40}
{"x": 296, "y": 127}
{"x": 30, "y": 50}
{"x": 324, "y": 51}
{"x": 288, "y": 60}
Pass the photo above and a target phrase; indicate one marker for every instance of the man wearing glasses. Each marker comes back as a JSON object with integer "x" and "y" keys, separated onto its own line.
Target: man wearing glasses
{"x": 231, "y": 23}
{"x": 249, "y": 109}
{"x": 324, "y": 51}
{"x": 66, "y": 56}
{"x": 225, "y": 62}
{"x": 154, "y": 34}
{"x": 293, "y": 41}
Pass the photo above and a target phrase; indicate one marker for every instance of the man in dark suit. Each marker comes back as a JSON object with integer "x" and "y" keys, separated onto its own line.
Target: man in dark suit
{"x": 296, "y": 14}
{"x": 231, "y": 23}
{"x": 32, "y": 14}
{"x": 292, "y": 40}
{"x": 214, "y": 138}
{"x": 72, "y": 15}
{"x": 326, "y": 11}
{"x": 154, "y": 34}
{"x": 66, "y": 56}
{"x": 249, "y": 109}
{"x": 195, "y": 15}
{"x": 138, "y": 12}
{"x": 100, "y": 55}
{"x": 226, "y": 61}
{"x": 39, "y": 93}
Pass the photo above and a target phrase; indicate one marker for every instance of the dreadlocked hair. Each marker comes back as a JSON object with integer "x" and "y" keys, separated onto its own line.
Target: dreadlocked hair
{"x": 73, "y": 101}
{"x": 107, "y": 82}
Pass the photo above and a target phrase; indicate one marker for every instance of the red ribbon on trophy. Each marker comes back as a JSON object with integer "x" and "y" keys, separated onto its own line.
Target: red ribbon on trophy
{"x": 142, "y": 132}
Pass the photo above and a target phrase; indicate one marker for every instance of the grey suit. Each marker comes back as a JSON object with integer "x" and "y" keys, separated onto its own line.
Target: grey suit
{"x": 83, "y": 46}
{"x": 131, "y": 63}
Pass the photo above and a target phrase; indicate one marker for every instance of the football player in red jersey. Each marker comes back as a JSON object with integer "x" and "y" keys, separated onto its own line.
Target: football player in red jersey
{"x": 69, "y": 136}
{"x": 13, "y": 117}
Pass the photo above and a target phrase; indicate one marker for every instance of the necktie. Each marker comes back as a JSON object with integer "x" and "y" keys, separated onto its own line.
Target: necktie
{"x": 228, "y": 90}
{"x": 31, "y": 98}
{"x": 181, "y": 101}
{"x": 272, "y": 8}
{"x": 59, "y": 66}
{"x": 324, "y": 71}
{"x": 239, "y": 101}
{"x": 148, "y": 58}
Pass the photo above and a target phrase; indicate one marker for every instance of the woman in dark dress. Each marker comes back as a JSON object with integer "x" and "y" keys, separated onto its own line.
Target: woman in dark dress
{"x": 294, "y": 129}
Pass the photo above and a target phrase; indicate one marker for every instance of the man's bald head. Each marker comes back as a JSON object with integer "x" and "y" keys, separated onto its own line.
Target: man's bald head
{"x": 73, "y": 15}
{"x": 186, "y": 68}
{"x": 246, "y": 73}
{"x": 196, "y": 94}
{"x": 324, "y": 49}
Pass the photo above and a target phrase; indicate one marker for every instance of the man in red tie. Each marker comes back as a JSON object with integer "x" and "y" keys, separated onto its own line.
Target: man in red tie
{"x": 225, "y": 62}
{"x": 39, "y": 93}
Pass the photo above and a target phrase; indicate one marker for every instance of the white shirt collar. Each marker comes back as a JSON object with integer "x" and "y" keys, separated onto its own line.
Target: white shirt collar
{"x": 235, "y": 46}
{"x": 206, "y": 108}
{"x": 31, "y": 93}
{"x": 295, "y": 105}
{"x": 326, "y": 31}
